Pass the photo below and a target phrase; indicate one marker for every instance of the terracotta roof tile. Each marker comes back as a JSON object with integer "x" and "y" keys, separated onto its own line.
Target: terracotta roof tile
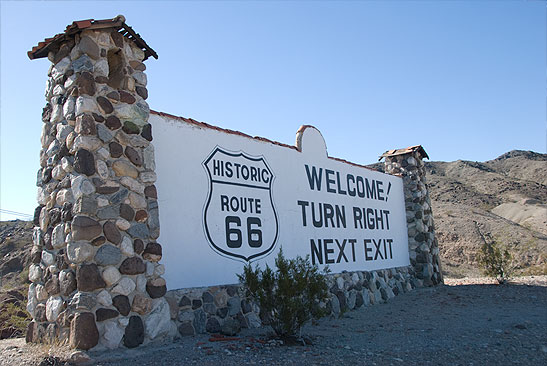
{"x": 408, "y": 150}
{"x": 117, "y": 23}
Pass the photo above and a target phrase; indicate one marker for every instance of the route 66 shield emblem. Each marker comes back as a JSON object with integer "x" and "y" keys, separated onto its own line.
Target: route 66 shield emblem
{"x": 239, "y": 218}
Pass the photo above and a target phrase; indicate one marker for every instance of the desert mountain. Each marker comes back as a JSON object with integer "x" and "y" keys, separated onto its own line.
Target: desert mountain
{"x": 504, "y": 199}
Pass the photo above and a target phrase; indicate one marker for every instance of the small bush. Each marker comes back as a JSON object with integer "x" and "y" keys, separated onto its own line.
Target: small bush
{"x": 495, "y": 261}
{"x": 289, "y": 296}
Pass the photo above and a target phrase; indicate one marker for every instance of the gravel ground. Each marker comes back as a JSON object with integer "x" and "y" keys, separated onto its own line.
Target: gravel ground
{"x": 465, "y": 322}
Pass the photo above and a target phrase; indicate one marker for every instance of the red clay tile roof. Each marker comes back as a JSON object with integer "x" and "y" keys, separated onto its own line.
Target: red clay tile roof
{"x": 118, "y": 23}
{"x": 408, "y": 150}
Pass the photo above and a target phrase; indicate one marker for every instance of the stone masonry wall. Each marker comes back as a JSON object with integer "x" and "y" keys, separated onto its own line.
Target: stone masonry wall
{"x": 224, "y": 309}
{"x": 96, "y": 280}
{"x": 422, "y": 243}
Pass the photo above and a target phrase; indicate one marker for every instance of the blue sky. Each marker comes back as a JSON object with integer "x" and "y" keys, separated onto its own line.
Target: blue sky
{"x": 464, "y": 79}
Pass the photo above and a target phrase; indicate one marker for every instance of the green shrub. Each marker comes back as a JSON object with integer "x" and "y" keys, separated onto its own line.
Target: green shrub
{"x": 495, "y": 261}
{"x": 289, "y": 296}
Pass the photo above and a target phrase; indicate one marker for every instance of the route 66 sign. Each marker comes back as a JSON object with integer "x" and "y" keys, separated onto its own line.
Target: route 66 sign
{"x": 239, "y": 217}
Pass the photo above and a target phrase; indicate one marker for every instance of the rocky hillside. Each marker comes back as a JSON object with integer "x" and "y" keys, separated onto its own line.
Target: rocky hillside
{"x": 15, "y": 246}
{"x": 504, "y": 199}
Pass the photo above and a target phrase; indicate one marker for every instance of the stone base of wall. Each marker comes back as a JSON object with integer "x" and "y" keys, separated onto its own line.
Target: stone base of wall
{"x": 224, "y": 309}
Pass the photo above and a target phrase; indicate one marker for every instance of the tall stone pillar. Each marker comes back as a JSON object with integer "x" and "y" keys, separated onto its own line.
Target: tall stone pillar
{"x": 96, "y": 280}
{"x": 422, "y": 243}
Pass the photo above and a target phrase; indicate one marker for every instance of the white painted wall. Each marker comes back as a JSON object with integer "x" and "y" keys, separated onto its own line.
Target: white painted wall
{"x": 191, "y": 205}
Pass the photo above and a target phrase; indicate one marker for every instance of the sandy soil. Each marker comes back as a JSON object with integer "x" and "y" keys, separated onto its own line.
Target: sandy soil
{"x": 469, "y": 321}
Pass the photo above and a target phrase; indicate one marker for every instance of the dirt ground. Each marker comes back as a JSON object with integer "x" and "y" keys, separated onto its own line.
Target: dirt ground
{"x": 464, "y": 322}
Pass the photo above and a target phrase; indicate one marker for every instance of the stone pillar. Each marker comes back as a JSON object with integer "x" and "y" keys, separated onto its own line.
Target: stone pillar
{"x": 422, "y": 243}
{"x": 96, "y": 280}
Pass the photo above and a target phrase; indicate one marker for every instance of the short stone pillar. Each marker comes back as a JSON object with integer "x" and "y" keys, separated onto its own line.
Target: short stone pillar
{"x": 96, "y": 280}
{"x": 422, "y": 243}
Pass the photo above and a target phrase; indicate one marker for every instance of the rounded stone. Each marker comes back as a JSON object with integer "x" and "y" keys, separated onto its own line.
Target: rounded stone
{"x": 84, "y": 162}
{"x": 111, "y": 275}
{"x": 141, "y": 216}
{"x": 35, "y": 273}
{"x": 186, "y": 329}
{"x": 58, "y": 236}
{"x": 147, "y": 132}
{"x": 108, "y": 212}
{"x": 108, "y": 255}
{"x": 80, "y": 251}
{"x": 121, "y": 303}
{"x": 151, "y": 192}
{"x": 138, "y": 246}
{"x": 41, "y": 293}
{"x": 86, "y": 84}
{"x": 132, "y": 266}
{"x": 134, "y": 332}
{"x": 133, "y": 184}
{"x": 124, "y": 287}
{"x": 89, "y": 278}
{"x": 89, "y": 47}
{"x": 98, "y": 241}
{"x": 156, "y": 288}
{"x": 116, "y": 149}
{"x": 126, "y": 97}
{"x": 40, "y": 313}
{"x": 133, "y": 156}
{"x": 142, "y": 304}
{"x": 54, "y": 306}
{"x": 113, "y": 122}
{"x": 138, "y": 231}
{"x": 103, "y": 314}
{"x": 117, "y": 38}
{"x": 122, "y": 168}
{"x": 83, "y": 300}
{"x": 67, "y": 282}
{"x": 85, "y": 228}
{"x": 35, "y": 255}
{"x": 114, "y": 95}
{"x": 153, "y": 252}
{"x": 98, "y": 117}
{"x": 212, "y": 325}
{"x": 137, "y": 200}
{"x": 126, "y": 247}
{"x": 127, "y": 212}
{"x": 142, "y": 91}
{"x": 137, "y": 65}
{"x": 112, "y": 233}
{"x": 130, "y": 128}
{"x": 54, "y": 216}
{"x": 105, "y": 105}
{"x": 83, "y": 331}
{"x": 104, "y": 298}
{"x": 196, "y": 304}
{"x": 200, "y": 319}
